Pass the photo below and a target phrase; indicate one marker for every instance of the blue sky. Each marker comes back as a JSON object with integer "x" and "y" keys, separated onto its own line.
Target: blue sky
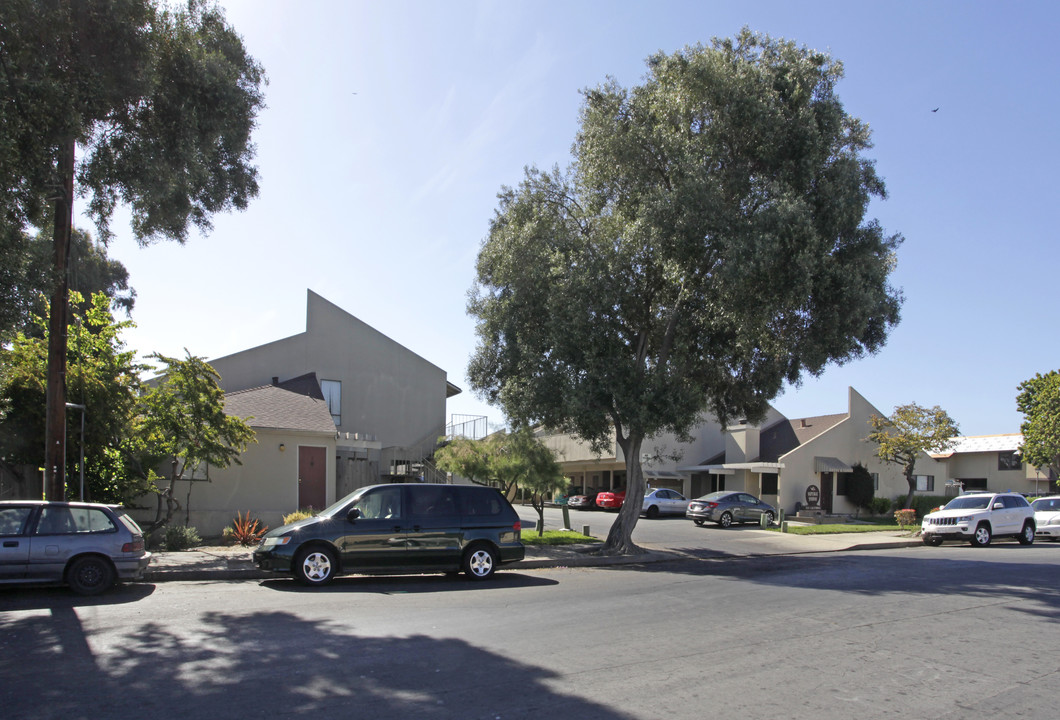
{"x": 391, "y": 127}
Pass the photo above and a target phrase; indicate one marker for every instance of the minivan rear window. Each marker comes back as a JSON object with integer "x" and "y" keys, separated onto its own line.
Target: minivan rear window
{"x": 483, "y": 503}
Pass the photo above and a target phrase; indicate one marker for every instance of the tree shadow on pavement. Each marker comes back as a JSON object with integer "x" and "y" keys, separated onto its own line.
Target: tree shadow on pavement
{"x": 263, "y": 664}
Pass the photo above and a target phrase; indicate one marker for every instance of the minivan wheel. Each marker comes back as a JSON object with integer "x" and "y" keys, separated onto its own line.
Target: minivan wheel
{"x": 314, "y": 566}
{"x": 1026, "y": 536}
{"x": 480, "y": 562}
{"x": 981, "y": 537}
{"x": 726, "y": 519}
{"x": 90, "y": 575}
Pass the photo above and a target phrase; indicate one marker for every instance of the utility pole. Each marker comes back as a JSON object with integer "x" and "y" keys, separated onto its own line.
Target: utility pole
{"x": 55, "y": 412}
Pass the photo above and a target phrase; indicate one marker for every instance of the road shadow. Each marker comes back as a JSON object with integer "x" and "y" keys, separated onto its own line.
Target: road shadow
{"x": 46, "y": 597}
{"x": 403, "y": 584}
{"x": 265, "y": 664}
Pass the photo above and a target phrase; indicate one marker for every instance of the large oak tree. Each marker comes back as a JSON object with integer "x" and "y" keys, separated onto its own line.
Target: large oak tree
{"x": 708, "y": 244}
{"x": 122, "y": 102}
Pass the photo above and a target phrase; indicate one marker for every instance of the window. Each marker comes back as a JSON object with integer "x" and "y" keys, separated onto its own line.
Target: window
{"x": 841, "y": 483}
{"x": 380, "y": 504}
{"x": 925, "y": 483}
{"x": 67, "y": 521}
{"x": 770, "y": 484}
{"x": 13, "y": 520}
{"x": 332, "y": 390}
{"x": 875, "y": 481}
{"x": 973, "y": 483}
{"x": 1009, "y": 460}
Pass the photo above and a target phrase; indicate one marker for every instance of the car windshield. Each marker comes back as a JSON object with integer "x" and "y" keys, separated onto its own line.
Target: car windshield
{"x": 1045, "y": 504}
{"x": 969, "y": 502}
{"x": 335, "y": 509}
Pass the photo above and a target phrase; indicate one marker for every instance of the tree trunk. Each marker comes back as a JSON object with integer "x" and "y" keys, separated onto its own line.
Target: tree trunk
{"x": 620, "y": 537}
{"x": 910, "y": 479}
{"x": 55, "y": 410}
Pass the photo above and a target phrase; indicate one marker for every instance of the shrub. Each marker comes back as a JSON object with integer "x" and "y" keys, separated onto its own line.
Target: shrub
{"x": 905, "y": 517}
{"x": 880, "y": 506}
{"x": 247, "y": 531}
{"x": 923, "y": 504}
{"x": 299, "y": 515}
{"x": 179, "y": 537}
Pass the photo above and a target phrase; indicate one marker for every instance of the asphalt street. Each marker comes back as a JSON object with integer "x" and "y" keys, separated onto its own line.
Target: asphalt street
{"x": 950, "y": 632}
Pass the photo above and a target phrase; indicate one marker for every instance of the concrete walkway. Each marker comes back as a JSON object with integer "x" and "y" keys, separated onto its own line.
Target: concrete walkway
{"x": 234, "y": 563}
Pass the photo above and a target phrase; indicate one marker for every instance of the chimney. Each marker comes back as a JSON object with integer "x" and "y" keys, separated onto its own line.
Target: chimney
{"x": 802, "y": 423}
{"x": 275, "y": 380}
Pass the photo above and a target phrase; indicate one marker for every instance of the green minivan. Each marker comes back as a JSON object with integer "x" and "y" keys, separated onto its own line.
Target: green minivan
{"x": 399, "y": 528}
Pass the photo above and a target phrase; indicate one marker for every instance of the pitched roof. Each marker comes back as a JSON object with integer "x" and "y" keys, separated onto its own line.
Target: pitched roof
{"x": 782, "y": 437}
{"x": 981, "y": 443}
{"x": 277, "y": 408}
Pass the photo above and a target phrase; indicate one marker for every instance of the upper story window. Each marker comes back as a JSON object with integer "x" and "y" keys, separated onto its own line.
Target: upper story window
{"x": 1009, "y": 460}
{"x": 332, "y": 390}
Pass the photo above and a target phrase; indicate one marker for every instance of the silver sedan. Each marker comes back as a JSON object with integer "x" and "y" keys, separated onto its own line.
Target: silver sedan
{"x": 728, "y": 507}
{"x": 662, "y": 501}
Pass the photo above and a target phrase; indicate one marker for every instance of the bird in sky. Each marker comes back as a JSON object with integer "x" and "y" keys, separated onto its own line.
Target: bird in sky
{"x": 935, "y": 110}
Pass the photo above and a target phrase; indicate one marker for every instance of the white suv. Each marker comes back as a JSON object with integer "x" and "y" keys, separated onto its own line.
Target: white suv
{"x": 980, "y": 517}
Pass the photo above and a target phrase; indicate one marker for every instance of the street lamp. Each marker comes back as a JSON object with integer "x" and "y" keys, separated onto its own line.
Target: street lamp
{"x": 81, "y": 464}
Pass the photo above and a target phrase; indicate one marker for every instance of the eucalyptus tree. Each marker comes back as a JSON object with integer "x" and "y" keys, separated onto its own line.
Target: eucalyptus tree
{"x": 707, "y": 244}
{"x": 157, "y": 103}
{"x": 909, "y": 432}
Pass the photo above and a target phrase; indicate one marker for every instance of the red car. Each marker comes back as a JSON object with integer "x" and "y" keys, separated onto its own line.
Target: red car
{"x": 611, "y": 500}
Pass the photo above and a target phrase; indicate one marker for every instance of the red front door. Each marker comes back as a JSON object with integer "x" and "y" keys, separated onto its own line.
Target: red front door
{"x": 312, "y": 477}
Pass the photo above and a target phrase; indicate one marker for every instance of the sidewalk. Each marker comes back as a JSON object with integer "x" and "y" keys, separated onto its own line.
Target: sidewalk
{"x": 234, "y": 563}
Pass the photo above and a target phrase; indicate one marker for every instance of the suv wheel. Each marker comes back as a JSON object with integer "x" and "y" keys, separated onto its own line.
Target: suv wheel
{"x": 1026, "y": 536}
{"x": 981, "y": 537}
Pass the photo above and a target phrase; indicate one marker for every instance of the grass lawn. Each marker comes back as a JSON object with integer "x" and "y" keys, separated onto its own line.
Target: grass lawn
{"x": 835, "y": 529}
{"x": 556, "y": 537}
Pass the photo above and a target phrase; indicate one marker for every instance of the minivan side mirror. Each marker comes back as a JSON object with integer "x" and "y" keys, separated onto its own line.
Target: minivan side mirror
{"x": 353, "y": 514}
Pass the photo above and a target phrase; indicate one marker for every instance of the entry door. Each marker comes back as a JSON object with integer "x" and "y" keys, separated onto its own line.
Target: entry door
{"x": 826, "y": 492}
{"x": 312, "y": 477}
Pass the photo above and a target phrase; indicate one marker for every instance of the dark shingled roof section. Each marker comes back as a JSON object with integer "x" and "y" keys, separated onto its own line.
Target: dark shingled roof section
{"x": 786, "y": 435}
{"x": 277, "y": 408}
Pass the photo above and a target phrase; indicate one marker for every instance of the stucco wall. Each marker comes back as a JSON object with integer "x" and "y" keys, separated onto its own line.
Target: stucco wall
{"x": 266, "y": 484}
{"x": 846, "y": 442}
{"x": 388, "y": 391}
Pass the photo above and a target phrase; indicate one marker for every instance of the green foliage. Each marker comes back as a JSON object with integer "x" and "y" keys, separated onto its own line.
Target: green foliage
{"x": 558, "y": 538}
{"x": 880, "y": 506}
{"x": 707, "y": 244}
{"x": 298, "y": 515}
{"x": 1039, "y": 401}
{"x": 161, "y": 102}
{"x": 247, "y": 531}
{"x": 923, "y": 504}
{"x": 180, "y": 537}
{"x": 860, "y": 487}
{"x": 101, "y": 375}
{"x": 182, "y": 423}
{"x": 909, "y": 432}
{"x": 465, "y": 457}
{"x": 90, "y": 271}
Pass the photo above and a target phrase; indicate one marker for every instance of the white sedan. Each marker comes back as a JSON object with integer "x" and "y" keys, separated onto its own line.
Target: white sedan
{"x": 1047, "y": 517}
{"x": 660, "y": 501}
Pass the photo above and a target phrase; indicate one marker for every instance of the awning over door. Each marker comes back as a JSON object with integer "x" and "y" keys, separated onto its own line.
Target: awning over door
{"x": 830, "y": 464}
